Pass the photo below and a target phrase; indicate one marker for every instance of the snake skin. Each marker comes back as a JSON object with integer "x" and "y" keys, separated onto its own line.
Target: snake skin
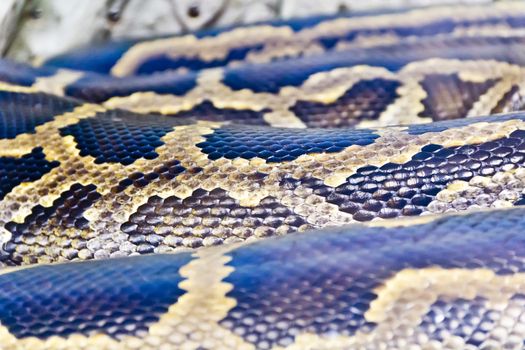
{"x": 435, "y": 79}
{"x": 364, "y": 132}
{"x": 455, "y": 282}
{"x": 271, "y": 41}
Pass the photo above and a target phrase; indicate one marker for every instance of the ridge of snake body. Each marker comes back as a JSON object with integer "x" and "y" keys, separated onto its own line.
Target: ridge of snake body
{"x": 238, "y": 156}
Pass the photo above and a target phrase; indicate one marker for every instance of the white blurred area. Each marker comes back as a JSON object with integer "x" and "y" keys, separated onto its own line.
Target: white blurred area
{"x": 35, "y": 29}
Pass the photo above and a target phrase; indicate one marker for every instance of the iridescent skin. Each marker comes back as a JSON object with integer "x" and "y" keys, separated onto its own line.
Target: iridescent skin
{"x": 433, "y": 282}
{"x": 228, "y": 156}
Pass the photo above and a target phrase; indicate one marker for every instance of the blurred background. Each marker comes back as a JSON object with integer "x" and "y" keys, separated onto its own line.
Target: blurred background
{"x": 43, "y": 28}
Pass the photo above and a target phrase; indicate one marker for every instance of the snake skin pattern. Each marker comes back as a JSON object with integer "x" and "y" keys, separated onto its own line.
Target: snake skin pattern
{"x": 375, "y": 135}
{"x": 440, "y": 68}
{"x": 456, "y": 282}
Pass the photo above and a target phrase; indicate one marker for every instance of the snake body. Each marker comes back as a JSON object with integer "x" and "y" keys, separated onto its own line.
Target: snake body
{"x": 225, "y": 145}
{"x": 441, "y": 283}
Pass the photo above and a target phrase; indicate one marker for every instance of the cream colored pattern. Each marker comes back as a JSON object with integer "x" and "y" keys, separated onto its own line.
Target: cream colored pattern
{"x": 104, "y": 237}
{"x": 402, "y": 302}
{"x": 498, "y": 191}
{"x": 327, "y": 87}
{"x": 189, "y": 324}
{"x": 406, "y": 297}
{"x": 56, "y": 83}
{"x": 275, "y": 38}
{"x": 194, "y": 321}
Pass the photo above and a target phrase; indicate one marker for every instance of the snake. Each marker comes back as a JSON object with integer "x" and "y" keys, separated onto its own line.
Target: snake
{"x": 342, "y": 182}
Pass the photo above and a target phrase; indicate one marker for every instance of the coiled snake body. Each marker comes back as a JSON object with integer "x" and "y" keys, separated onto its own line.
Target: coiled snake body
{"x": 208, "y": 140}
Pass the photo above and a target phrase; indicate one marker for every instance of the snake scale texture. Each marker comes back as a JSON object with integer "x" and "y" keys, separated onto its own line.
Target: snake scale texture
{"x": 349, "y": 182}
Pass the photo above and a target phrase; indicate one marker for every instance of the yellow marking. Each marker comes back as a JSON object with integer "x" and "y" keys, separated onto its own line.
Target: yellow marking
{"x": 17, "y": 204}
{"x": 190, "y": 323}
{"x": 490, "y": 30}
{"x": 340, "y": 26}
{"x": 369, "y": 40}
{"x": 16, "y": 88}
{"x": 178, "y": 144}
{"x": 282, "y": 49}
{"x": 406, "y": 108}
{"x": 23, "y": 144}
{"x": 193, "y": 322}
{"x": 106, "y": 215}
{"x": 11, "y": 269}
{"x": 404, "y": 221}
{"x": 206, "y": 49}
{"x": 458, "y": 186}
{"x": 489, "y": 101}
{"x": 425, "y": 219}
{"x": 281, "y": 41}
{"x": 143, "y": 102}
{"x": 437, "y": 282}
{"x": 235, "y": 177}
{"x": 407, "y": 297}
{"x": 382, "y": 151}
{"x": 56, "y": 83}
{"x": 284, "y": 119}
{"x": 196, "y": 315}
{"x": 500, "y": 190}
{"x": 327, "y": 87}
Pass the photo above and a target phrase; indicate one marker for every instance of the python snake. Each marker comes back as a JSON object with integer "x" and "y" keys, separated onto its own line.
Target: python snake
{"x": 386, "y": 122}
